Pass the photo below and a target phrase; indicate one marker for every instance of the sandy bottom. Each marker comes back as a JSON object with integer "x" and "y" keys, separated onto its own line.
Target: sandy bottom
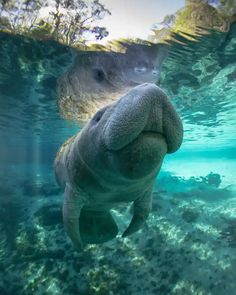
{"x": 187, "y": 246}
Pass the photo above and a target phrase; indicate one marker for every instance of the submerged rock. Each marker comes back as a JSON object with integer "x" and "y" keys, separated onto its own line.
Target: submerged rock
{"x": 190, "y": 215}
{"x": 213, "y": 179}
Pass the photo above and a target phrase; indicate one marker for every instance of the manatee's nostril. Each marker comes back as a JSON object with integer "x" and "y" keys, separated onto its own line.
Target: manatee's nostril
{"x": 98, "y": 75}
{"x": 140, "y": 69}
{"x": 155, "y": 72}
{"x": 98, "y": 116}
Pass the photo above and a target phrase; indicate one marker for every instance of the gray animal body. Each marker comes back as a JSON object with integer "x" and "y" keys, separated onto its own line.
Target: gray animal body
{"x": 114, "y": 159}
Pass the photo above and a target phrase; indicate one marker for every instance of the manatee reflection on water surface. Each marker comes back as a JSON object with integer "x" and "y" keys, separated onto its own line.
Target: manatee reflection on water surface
{"x": 96, "y": 79}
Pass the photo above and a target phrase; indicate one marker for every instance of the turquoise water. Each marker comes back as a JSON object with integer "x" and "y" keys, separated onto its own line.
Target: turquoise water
{"x": 188, "y": 244}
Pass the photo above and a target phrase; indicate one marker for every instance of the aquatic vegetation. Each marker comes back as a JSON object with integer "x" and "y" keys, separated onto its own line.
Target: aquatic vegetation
{"x": 10, "y": 215}
{"x": 25, "y": 241}
{"x": 229, "y": 232}
{"x": 190, "y": 214}
{"x": 169, "y": 260}
{"x": 193, "y": 186}
{"x": 188, "y": 287}
{"x": 213, "y": 179}
{"x": 3, "y": 246}
{"x": 104, "y": 280}
{"x": 49, "y": 215}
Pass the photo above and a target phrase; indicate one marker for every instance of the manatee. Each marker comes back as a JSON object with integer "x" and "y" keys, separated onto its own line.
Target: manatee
{"x": 96, "y": 79}
{"x": 115, "y": 159}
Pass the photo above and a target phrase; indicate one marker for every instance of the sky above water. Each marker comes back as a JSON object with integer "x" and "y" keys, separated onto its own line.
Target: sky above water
{"x": 134, "y": 18}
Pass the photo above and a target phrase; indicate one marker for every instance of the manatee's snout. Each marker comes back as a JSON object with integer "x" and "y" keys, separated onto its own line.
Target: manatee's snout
{"x": 142, "y": 157}
{"x": 145, "y": 110}
{"x": 142, "y": 128}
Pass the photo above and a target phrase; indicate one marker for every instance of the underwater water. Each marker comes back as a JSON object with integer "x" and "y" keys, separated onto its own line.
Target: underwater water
{"x": 188, "y": 244}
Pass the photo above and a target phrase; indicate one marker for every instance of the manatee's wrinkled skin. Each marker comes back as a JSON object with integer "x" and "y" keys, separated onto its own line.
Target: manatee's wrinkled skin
{"x": 116, "y": 158}
{"x": 99, "y": 78}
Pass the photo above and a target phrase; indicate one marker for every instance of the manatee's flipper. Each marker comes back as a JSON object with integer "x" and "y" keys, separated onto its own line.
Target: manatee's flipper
{"x": 97, "y": 226}
{"x": 141, "y": 209}
{"x": 71, "y": 212}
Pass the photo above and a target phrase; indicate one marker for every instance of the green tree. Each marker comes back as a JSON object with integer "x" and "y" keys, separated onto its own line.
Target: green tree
{"x": 67, "y": 21}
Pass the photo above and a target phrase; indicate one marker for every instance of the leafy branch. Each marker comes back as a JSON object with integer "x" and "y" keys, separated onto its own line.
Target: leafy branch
{"x": 68, "y": 21}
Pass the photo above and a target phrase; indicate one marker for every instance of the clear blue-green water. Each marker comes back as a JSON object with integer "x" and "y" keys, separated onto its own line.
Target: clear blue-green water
{"x": 188, "y": 244}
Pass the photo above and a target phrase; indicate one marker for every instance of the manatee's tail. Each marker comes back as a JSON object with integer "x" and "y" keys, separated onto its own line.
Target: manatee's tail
{"x": 97, "y": 226}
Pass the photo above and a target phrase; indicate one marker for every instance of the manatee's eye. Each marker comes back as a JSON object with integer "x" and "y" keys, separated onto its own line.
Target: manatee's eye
{"x": 98, "y": 75}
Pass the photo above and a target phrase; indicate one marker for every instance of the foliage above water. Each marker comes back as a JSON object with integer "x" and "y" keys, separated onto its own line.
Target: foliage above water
{"x": 68, "y": 21}
{"x": 195, "y": 19}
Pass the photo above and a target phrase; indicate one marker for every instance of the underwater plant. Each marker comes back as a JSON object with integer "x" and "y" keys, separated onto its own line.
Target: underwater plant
{"x": 229, "y": 232}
